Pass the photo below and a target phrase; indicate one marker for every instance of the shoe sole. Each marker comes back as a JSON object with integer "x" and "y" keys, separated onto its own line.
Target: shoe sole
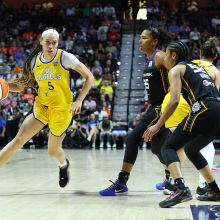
{"x": 175, "y": 203}
{"x": 117, "y": 194}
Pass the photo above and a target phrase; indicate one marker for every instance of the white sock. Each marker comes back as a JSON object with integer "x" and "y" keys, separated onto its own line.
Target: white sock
{"x": 208, "y": 152}
{"x": 64, "y": 164}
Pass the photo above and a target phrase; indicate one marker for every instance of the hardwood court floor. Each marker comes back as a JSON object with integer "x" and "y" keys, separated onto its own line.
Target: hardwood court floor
{"x": 29, "y": 188}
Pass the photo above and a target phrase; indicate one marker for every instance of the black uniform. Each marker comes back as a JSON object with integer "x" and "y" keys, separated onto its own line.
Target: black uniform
{"x": 156, "y": 84}
{"x": 197, "y": 129}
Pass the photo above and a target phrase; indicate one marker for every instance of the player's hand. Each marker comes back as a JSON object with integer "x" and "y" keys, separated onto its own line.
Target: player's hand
{"x": 76, "y": 107}
{"x": 150, "y": 132}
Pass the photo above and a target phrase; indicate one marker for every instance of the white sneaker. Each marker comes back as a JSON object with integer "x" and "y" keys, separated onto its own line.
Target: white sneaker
{"x": 114, "y": 145}
{"x": 89, "y": 138}
{"x": 93, "y": 145}
{"x": 108, "y": 145}
{"x": 101, "y": 145}
{"x": 124, "y": 145}
{"x": 144, "y": 145}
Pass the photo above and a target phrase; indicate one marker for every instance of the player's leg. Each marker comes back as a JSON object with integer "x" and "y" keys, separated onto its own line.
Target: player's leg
{"x": 208, "y": 153}
{"x": 28, "y": 129}
{"x": 55, "y": 150}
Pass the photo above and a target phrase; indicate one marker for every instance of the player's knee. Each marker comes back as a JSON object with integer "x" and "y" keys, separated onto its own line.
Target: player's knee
{"x": 51, "y": 152}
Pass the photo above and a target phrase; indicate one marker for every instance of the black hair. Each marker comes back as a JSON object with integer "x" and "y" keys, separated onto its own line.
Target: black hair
{"x": 209, "y": 48}
{"x": 161, "y": 34}
{"x": 181, "y": 49}
{"x": 27, "y": 76}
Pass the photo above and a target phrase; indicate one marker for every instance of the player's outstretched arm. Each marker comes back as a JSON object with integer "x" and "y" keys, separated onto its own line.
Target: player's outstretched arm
{"x": 15, "y": 87}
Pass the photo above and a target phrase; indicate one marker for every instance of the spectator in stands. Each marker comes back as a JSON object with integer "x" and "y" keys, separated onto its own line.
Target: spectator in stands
{"x": 182, "y": 8}
{"x": 101, "y": 100}
{"x": 19, "y": 53}
{"x": 112, "y": 49}
{"x": 97, "y": 82}
{"x": 107, "y": 98}
{"x": 109, "y": 10}
{"x": 88, "y": 112}
{"x": 105, "y": 128}
{"x": 195, "y": 35}
{"x": 2, "y": 130}
{"x": 6, "y": 68}
{"x": 103, "y": 26}
{"x": 13, "y": 49}
{"x": 17, "y": 69}
{"x": 119, "y": 130}
{"x": 192, "y": 6}
{"x": 108, "y": 89}
{"x": 205, "y": 35}
{"x": 99, "y": 113}
{"x": 87, "y": 11}
{"x": 111, "y": 81}
{"x": 2, "y": 74}
{"x": 48, "y": 4}
{"x": 29, "y": 96}
{"x": 69, "y": 44}
{"x": 11, "y": 62}
{"x": 70, "y": 12}
{"x": 113, "y": 60}
{"x": 105, "y": 108}
{"x": 215, "y": 21}
{"x": 13, "y": 111}
{"x": 113, "y": 36}
{"x": 79, "y": 48}
{"x": 100, "y": 50}
{"x": 21, "y": 101}
{"x": 97, "y": 10}
{"x": 101, "y": 36}
{"x": 184, "y": 35}
{"x": 92, "y": 129}
{"x": 115, "y": 21}
{"x": 173, "y": 10}
{"x": 133, "y": 123}
{"x": 21, "y": 62}
{"x": 28, "y": 107}
{"x": 80, "y": 81}
{"x": 195, "y": 51}
{"x": 184, "y": 25}
{"x": 77, "y": 137}
{"x": 89, "y": 102}
{"x": 12, "y": 75}
{"x": 3, "y": 112}
{"x": 91, "y": 34}
{"x": 96, "y": 66}
{"x": 152, "y": 10}
{"x": 7, "y": 102}
{"x": 3, "y": 49}
{"x": 173, "y": 27}
{"x": 91, "y": 50}
{"x": 107, "y": 21}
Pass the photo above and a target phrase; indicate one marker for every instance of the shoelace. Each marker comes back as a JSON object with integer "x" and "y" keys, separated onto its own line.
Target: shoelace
{"x": 113, "y": 185}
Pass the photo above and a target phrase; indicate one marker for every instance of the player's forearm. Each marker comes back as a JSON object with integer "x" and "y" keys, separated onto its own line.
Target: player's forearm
{"x": 15, "y": 87}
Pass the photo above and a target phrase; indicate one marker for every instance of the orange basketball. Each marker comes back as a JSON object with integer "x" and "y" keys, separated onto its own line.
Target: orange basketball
{"x": 4, "y": 89}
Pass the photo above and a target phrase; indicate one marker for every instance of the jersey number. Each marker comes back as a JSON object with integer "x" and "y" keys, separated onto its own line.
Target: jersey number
{"x": 51, "y": 87}
{"x": 146, "y": 83}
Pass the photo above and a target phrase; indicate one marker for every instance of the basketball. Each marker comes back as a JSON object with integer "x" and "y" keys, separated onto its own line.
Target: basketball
{"x": 4, "y": 89}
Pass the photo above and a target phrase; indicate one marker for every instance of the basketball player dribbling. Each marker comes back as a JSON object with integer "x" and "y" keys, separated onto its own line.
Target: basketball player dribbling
{"x": 49, "y": 66}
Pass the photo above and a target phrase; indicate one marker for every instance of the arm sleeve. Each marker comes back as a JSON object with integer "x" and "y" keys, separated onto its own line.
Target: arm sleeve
{"x": 69, "y": 61}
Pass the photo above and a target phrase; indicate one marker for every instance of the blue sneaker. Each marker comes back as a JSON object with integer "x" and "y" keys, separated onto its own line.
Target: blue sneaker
{"x": 161, "y": 185}
{"x": 116, "y": 189}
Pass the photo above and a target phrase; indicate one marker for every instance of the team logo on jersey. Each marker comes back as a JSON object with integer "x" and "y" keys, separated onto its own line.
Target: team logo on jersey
{"x": 196, "y": 107}
{"x": 207, "y": 83}
{"x": 55, "y": 63}
{"x": 150, "y": 63}
{"x": 46, "y": 94}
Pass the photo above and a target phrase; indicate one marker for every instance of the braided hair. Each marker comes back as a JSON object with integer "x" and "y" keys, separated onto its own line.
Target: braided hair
{"x": 161, "y": 34}
{"x": 209, "y": 48}
{"x": 180, "y": 49}
{"x": 27, "y": 76}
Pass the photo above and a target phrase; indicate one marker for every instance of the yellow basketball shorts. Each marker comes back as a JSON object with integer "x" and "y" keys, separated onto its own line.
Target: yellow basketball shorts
{"x": 57, "y": 118}
{"x": 180, "y": 113}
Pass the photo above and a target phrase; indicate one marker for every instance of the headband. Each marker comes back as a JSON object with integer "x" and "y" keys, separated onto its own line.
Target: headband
{"x": 50, "y": 31}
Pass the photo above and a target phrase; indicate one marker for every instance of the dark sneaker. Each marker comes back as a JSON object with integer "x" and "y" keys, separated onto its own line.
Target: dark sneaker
{"x": 183, "y": 195}
{"x": 116, "y": 189}
{"x": 210, "y": 196}
{"x": 169, "y": 189}
{"x": 201, "y": 191}
{"x": 64, "y": 175}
